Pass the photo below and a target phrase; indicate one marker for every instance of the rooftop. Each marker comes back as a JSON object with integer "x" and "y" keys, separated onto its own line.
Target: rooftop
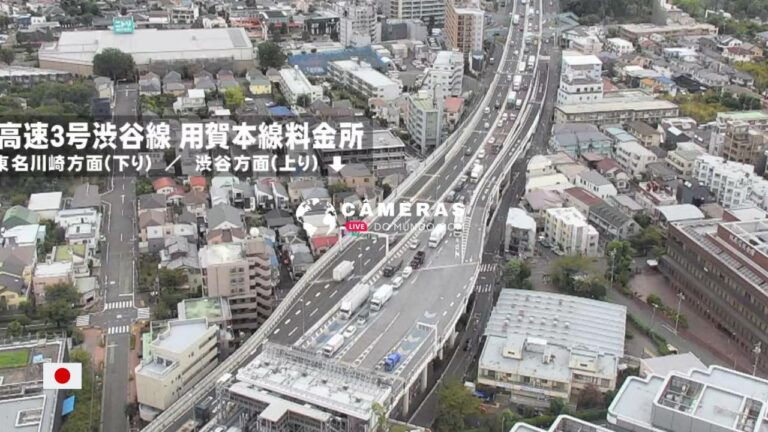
{"x": 222, "y": 253}
{"x": 664, "y": 365}
{"x": 608, "y": 105}
{"x": 45, "y": 201}
{"x": 595, "y": 178}
{"x": 680, "y": 212}
{"x": 583, "y": 195}
{"x": 518, "y": 218}
{"x": 53, "y": 269}
{"x": 214, "y": 309}
{"x": 181, "y": 334}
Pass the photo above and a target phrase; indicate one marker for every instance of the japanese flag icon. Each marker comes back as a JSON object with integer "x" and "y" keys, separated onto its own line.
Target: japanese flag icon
{"x": 61, "y": 376}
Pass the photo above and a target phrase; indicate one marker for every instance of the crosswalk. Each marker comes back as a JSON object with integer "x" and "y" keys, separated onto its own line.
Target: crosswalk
{"x": 143, "y": 313}
{"x": 487, "y": 267}
{"x": 123, "y": 304}
{"x": 119, "y": 329}
{"x": 485, "y": 288}
{"x": 83, "y": 321}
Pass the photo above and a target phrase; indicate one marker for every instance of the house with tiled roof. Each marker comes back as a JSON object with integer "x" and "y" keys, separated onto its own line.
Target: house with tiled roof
{"x": 198, "y": 183}
{"x": 164, "y": 185}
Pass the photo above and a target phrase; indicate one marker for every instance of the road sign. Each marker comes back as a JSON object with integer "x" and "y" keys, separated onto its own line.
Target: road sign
{"x": 123, "y": 25}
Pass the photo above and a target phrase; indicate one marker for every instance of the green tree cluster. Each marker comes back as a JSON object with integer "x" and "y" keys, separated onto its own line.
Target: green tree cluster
{"x": 115, "y": 64}
{"x": 270, "y": 55}
{"x": 517, "y": 274}
{"x": 649, "y": 240}
{"x": 455, "y": 404}
{"x": 620, "y": 255}
{"x": 574, "y": 275}
{"x": 87, "y": 413}
{"x": 59, "y": 306}
{"x": 594, "y": 11}
{"x": 233, "y": 97}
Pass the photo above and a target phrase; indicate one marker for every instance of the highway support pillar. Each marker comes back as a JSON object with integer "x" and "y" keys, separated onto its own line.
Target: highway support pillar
{"x": 407, "y": 400}
{"x": 441, "y": 353}
{"x": 452, "y": 339}
{"x": 424, "y": 379}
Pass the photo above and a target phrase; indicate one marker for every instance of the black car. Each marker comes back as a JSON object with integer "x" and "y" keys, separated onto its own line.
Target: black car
{"x": 390, "y": 269}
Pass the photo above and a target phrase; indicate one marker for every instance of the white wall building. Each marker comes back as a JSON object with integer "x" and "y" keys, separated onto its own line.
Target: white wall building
{"x": 357, "y": 23}
{"x": 45, "y": 204}
{"x": 519, "y": 233}
{"x": 294, "y": 84}
{"x": 619, "y": 46}
{"x": 426, "y": 10}
{"x": 580, "y": 79}
{"x": 181, "y": 354}
{"x": 634, "y": 158}
{"x": 594, "y": 182}
{"x": 732, "y": 183}
{"x": 567, "y": 229}
{"x": 363, "y": 79}
{"x": 446, "y": 74}
{"x": 424, "y": 120}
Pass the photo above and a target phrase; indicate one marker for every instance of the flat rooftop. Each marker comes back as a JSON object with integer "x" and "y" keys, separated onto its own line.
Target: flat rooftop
{"x": 607, "y": 105}
{"x": 560, "y": 319}
{"x": 212, "y": 308}
{"x": 180, "y": 334}
{"x": 221, "y": 253}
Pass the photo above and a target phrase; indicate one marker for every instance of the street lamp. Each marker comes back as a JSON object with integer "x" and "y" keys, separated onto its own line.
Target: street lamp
{"x": 680, "y": 298}
{"x": 653, "y": 314}
{"x": 757, "y": 350}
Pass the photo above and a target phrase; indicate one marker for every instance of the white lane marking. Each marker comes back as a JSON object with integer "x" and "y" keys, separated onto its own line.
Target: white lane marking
{"x": 288, "y": 321}
{"x": 293, "y": 331}
{"x": 317, "y": 294}
{"x": 334, "y": 293}
{"x": 313, "y": 312}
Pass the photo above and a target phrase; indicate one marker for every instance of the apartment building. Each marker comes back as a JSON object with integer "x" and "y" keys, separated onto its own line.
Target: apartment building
{"x": 541, "y": 346}
{"x": 567, "y": 229}
{"x": 721, "y": 266}
{"x": 47, "y": 275}
{"x": 616, "y": 110}
{"x": 725, "y": 121}
{"x": 682, "y": 161}
{"x": 634, "y": 158}
{"x": 294, "y": 84}
{"x": 619, "y": 46}
{"x": 580, "y": 79}
{"x": 464, "y": 26}
{"x": 594, "y": 182}
{"x": 242, "y": 273}
{"x": 731, "y": 182}
{"x": 446, "y": 74}
{"x": 429, "y": 11}
{"x": 357, "y": 23}
{"x": 180, "y": 353}
{"x": 361, "y": 78}
{"x": 648, "y": 135}
{"x": 700, "y": 399}
{"x": 385, "y": 151}
{"x": 519, "y": 233}
{"x": 424, "y": 120}
{"x": 743, "y": 143}
{"x": 633, "y": 32}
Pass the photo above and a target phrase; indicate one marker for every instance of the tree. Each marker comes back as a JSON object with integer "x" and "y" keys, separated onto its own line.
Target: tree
{"x": 556, "y": 407}
{"x": 590, "y": 397}
{"x": 271, "y": 55}
{"x": 643, "y": 219}
{"x": 15, "y": 329}
{"x": 7, "y": 56}
{"x": 144, "y": 186}
{"x": 115, "y": 64}
{"x": 382, "y": 425}
{"x": 516, "y": 274}
{"x": 54, "y": 236}
{"x": 59, "y": 302}
{"x": 18, "y": 199}
{"x": 565, "y": 269}
{"x": 171, "y": 279}
{"x": 275, "y": 33}
{"x": 233, "y": 97}
{"x": 619, "y": 253}
{"x": 649, "y": 239}
{"x": 454, "y": 404}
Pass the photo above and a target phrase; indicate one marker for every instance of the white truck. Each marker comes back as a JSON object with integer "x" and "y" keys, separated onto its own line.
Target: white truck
{"x": 333, "y": 345}
{"x": 437, "y": 234}
{"x": 459, "y": 211}
{"x": 477, "y": 172}
{"x": 354, "y": 300}
{"x": 516, "y": 19}
{"x": 521, "y": 67}
{"x": 381, "y": 296}
{"x": 517, "y": 80}
{"x": 343, "y": 270}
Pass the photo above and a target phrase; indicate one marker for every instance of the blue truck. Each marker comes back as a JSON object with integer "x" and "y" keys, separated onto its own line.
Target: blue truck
{"x": 391, "y": 362}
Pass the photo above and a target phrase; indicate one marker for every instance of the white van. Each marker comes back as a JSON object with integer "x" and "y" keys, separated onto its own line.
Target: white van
{"x": 407, "y": 272}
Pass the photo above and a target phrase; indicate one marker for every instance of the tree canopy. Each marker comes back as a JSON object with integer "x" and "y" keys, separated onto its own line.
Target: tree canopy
{"x": 575, "y": 275}
{"x": 516, "y": 274}
{"x": 271, "y": 55}
{"x": 115, "y": 64}
{"x": 233, "y": 97}
{"x": 455, "y": 404}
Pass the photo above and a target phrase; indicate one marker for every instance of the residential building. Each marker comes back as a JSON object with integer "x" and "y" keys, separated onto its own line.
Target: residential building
{"x": 726, "y": 120}
{"x": 164, "y": 185}
{"x": 446, "y": 74}
{"x": 744, "y": 143}
{"x": 633, "y": 32}
{"x": 361, "y": 78}
{"x": 668, "y": 214}
{"x": 645, "y": 133}
{"x": 357, "y": 23}
{"x": 429, "y": 11}
{"x": 586, "y": 40}
{"x": 619, "y": 46}
{"x": 731, "y": 182}
{"x": 519, "y": 233}
{"x": 683, "y": 362}
{"x": 28, "y": 76}
{"x": 616, "y": 110}
{"x": 567, "y": 229}
{"x": 464, "y": 26}
{"x": 580, "y": 79}
{"x": 385, "y": 151}
{"x": 576, "y": 139}
{"x": 634, "y": 158}
{"x": 47, "y": 275}
{"x": 22, "y": 235}
{"x": 353, "y": 175}
{"x": 82, "y": 226}
{"x": 294, "y": 85}
{"x": 612, "y": 222}
{"x": 581, "y": 199}
{"x": 539, "y": 165}
{"x": 86, "y": 195}
{"x": 554, "y": 182}
{"x": 46, "y": 204}
{"x": 258, "y": 84}
{"x": 15, "y": 267}
{"x": 652, "y": 194}
{"x": 193, "y": 101}
{"x": 424, "y": 120}
{"x": 19, "y": 215}
{"x": 713, "y": 399}
{"x": 242, "y": 273}
{"x": 682, "y": 161}
{"x": 563, "y": 423}
{"x": 593, "y": 182}
{"x": 611, "y": 170}
{"x": 453, "y": 107}
{"x": 540, "y": 346}
{"x": 179, "y": 355}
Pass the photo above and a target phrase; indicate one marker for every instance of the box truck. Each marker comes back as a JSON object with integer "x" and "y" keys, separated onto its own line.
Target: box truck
{"x": 511, "y": 98}
{"x": 333, "y": 345}
{"x": 437, "y": 234}
{"x": 459, "y": 211}
{"x": 354, "y": 300}
{"x": 477, "y": 172}
{"x": 391, "y": 362}
{"x": 516, "y": 82}
{"x": 343, "y": 270}
{"x": 381, "y": 297}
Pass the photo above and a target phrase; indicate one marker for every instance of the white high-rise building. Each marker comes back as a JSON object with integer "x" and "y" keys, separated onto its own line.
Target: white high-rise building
{"x": 429, "y": 11}
{"x": 464, "y": 26}
{"x": 734, "y": 184}
{"x": 446, "y": 74}
{"x": 357, "y": 23}
{"x": 566, "y": 228}
{"x": 580, "y": 79}
{"x": 424, "y": 119}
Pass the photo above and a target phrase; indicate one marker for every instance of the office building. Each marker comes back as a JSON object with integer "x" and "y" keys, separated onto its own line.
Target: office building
{"x": 361, "y": 78}
{"x": 720, "y": 265}
{"x": 74, "y": 50}
{"x": 733, "y": 183}
{"x": 519, "y": 233}
{"x": 580, "y": 79}
{"x": 295, "y": 85}
{"x": 713, "y": 399}
{"x": 464, "y": 26}
{"x": 424, "y": 120}
{"x": 567, "y": 229}
{"x": 446, "y": 74}
{"x": 432, "y": 12}
{"x": 357, "y": 23}
{"x": 243, "y": 274}
{"x": 738, "y": 135}
{"x": 178, "y": 356}
{"x": 541, "y": 346}
{"x": 633, "y": 157}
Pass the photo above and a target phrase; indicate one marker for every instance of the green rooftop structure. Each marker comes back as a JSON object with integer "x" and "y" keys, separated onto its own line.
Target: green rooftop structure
{"x": 19, "y": 215}
{"x": 215, "y": 309}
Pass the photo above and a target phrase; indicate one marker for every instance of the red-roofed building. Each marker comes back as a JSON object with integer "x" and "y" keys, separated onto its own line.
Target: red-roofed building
{"x": 611, "y": 170}
{"x": 164, "y": 185}
{"x": 320, "y": 244}
{"x": 198, "y": 183}
{"x": 580, "y": 198}
{"x": 454, "y": 108}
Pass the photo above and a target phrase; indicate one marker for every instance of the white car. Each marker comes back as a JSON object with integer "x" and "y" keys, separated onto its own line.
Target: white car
{"x": 487, "y": 125}
{"x": 349, "y": 331}
{"x": 413, "y": 243}
{"x": 501, "y": 123}
{"x": 397, "y": 282}
{"x": 407, "y": 272}
{"x": 491, "y": 140}
{"x": 481, "y": 154}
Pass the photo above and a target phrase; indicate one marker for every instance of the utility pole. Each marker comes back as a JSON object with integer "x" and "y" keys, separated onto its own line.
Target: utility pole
{"x": 613, "y": 265}
{"x": 680, "y": 298}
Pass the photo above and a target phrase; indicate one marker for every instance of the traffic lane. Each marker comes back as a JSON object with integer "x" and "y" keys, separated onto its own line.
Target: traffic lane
{"x": 116, "y": 370}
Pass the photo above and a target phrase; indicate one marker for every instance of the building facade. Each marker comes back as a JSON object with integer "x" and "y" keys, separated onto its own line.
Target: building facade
{"x": 634, "y": 158}
{"x": 361, "y": 78}
{"x": 424, "y": 120}
{"x": 580, "y": 79}
{"x": 567, "y": 229}
{"x": 464, "y": 27}
{"x": 295, "y": 85}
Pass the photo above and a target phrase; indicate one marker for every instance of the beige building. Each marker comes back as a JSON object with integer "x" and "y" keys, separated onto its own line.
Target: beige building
{"x": 616, "y": 111}
{"x": 682, "y": 161}
{"x": 179, "y": 355}
{"x": 743, "y": 143}
{"x": 634, "y": 158}
{"x": 241, "y": 273}
{"x": 567, "y": 230}
{"x": 49, "y": 274}
{"x": 464, "y": 26}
